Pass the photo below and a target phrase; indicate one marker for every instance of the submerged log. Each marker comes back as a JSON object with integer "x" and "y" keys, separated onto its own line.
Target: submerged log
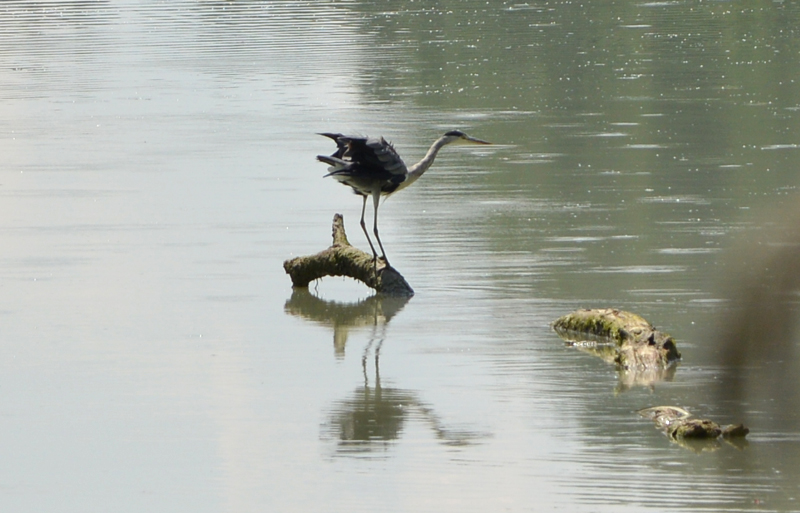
{"x": 342, "y": 259}
{"x": 678, "y": 424}
{"x": 637, "y": 345}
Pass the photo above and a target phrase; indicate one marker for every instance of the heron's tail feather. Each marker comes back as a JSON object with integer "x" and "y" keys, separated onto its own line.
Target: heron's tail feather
{"x": 333, "y": 161}
{"x": 337, "y": 166}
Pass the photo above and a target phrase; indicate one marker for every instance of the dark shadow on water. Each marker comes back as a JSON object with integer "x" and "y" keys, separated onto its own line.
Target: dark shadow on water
{"x": 757, "y": 335}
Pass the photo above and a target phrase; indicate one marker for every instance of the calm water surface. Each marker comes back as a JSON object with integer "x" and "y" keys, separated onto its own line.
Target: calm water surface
{"x": 157, "y": 166}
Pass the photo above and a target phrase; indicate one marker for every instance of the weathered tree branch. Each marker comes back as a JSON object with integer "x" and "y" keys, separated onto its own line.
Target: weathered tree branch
{"x": 342, "y": 259}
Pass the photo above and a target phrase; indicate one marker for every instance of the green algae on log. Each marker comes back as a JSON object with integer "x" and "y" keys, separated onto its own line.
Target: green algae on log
{"x": 342, "y": 259}
{"x": 637, "y": 343}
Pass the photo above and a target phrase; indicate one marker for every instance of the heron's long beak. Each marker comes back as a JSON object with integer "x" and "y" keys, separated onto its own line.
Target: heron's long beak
{"x": 474, "y": 140}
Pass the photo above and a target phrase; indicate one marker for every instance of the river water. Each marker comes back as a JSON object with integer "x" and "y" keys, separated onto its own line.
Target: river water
{"x": 157, "y": 166}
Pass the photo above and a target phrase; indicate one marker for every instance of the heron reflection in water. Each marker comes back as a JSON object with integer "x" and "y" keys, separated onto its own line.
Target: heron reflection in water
{"x": 372, "y": 168}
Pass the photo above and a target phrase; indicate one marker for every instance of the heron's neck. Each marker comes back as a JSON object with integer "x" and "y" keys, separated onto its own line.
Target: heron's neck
{"x": 420, "y": 167}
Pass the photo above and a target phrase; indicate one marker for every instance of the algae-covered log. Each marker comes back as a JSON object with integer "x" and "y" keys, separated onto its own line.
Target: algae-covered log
{"x": 342, "y": 259}
{"x": 638, "y": 345}
{"x": 704, "y": 428}
{"x": 694, "y": 428}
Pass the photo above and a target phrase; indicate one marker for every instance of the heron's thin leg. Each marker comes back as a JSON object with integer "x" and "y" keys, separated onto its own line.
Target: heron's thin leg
{"x": 376, "y": 199}
{"x": 364, "y": 227}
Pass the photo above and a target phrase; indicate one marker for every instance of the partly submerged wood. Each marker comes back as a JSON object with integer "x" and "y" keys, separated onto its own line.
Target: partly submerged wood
{"x": 679, "y": 424}
{"x": 342, "y": 259}
{"x": 637, "y": 345}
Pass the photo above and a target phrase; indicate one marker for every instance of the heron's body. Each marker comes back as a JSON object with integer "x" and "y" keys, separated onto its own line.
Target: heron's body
{"x": 372, "y": 168}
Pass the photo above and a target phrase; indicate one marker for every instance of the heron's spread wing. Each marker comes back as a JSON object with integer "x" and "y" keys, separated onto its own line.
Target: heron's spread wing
{"x": 366, "y": 160}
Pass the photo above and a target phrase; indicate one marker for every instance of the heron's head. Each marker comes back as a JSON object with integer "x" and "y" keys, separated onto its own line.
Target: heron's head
{"x": 459, "y": 137}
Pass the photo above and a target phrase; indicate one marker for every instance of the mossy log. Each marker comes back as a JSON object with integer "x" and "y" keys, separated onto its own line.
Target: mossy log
{"x": 637, "y": 343}
{"x": 342, "y": 259}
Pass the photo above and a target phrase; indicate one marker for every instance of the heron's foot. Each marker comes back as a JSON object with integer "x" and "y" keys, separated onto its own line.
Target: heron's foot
{"x": 376, "y": 260}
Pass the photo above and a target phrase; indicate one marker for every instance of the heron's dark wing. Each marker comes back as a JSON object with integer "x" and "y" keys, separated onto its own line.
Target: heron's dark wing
{"x": 370, "y": 151}
{"x": 366, "y": 164}
{"x": 375, "y": 153}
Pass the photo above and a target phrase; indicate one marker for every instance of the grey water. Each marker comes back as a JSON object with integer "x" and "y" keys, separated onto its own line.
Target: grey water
{"x": 157, "y": 166}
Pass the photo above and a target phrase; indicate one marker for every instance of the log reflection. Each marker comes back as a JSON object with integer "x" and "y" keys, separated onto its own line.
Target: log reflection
{"x": 627, "y": 378}
{"x": 374, "y": 311}
{"x": 372, "y": 416}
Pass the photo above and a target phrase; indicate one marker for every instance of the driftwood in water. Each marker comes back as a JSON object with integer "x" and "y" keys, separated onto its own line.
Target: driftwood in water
{"x": 342, "y": 259}
{"x": 676, "y": 422}
{"x": 637, "y": 345}
{"x": 698, "y": 435}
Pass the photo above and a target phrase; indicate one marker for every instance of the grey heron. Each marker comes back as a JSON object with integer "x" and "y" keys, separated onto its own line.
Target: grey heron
{"x": 372, "y": 168}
